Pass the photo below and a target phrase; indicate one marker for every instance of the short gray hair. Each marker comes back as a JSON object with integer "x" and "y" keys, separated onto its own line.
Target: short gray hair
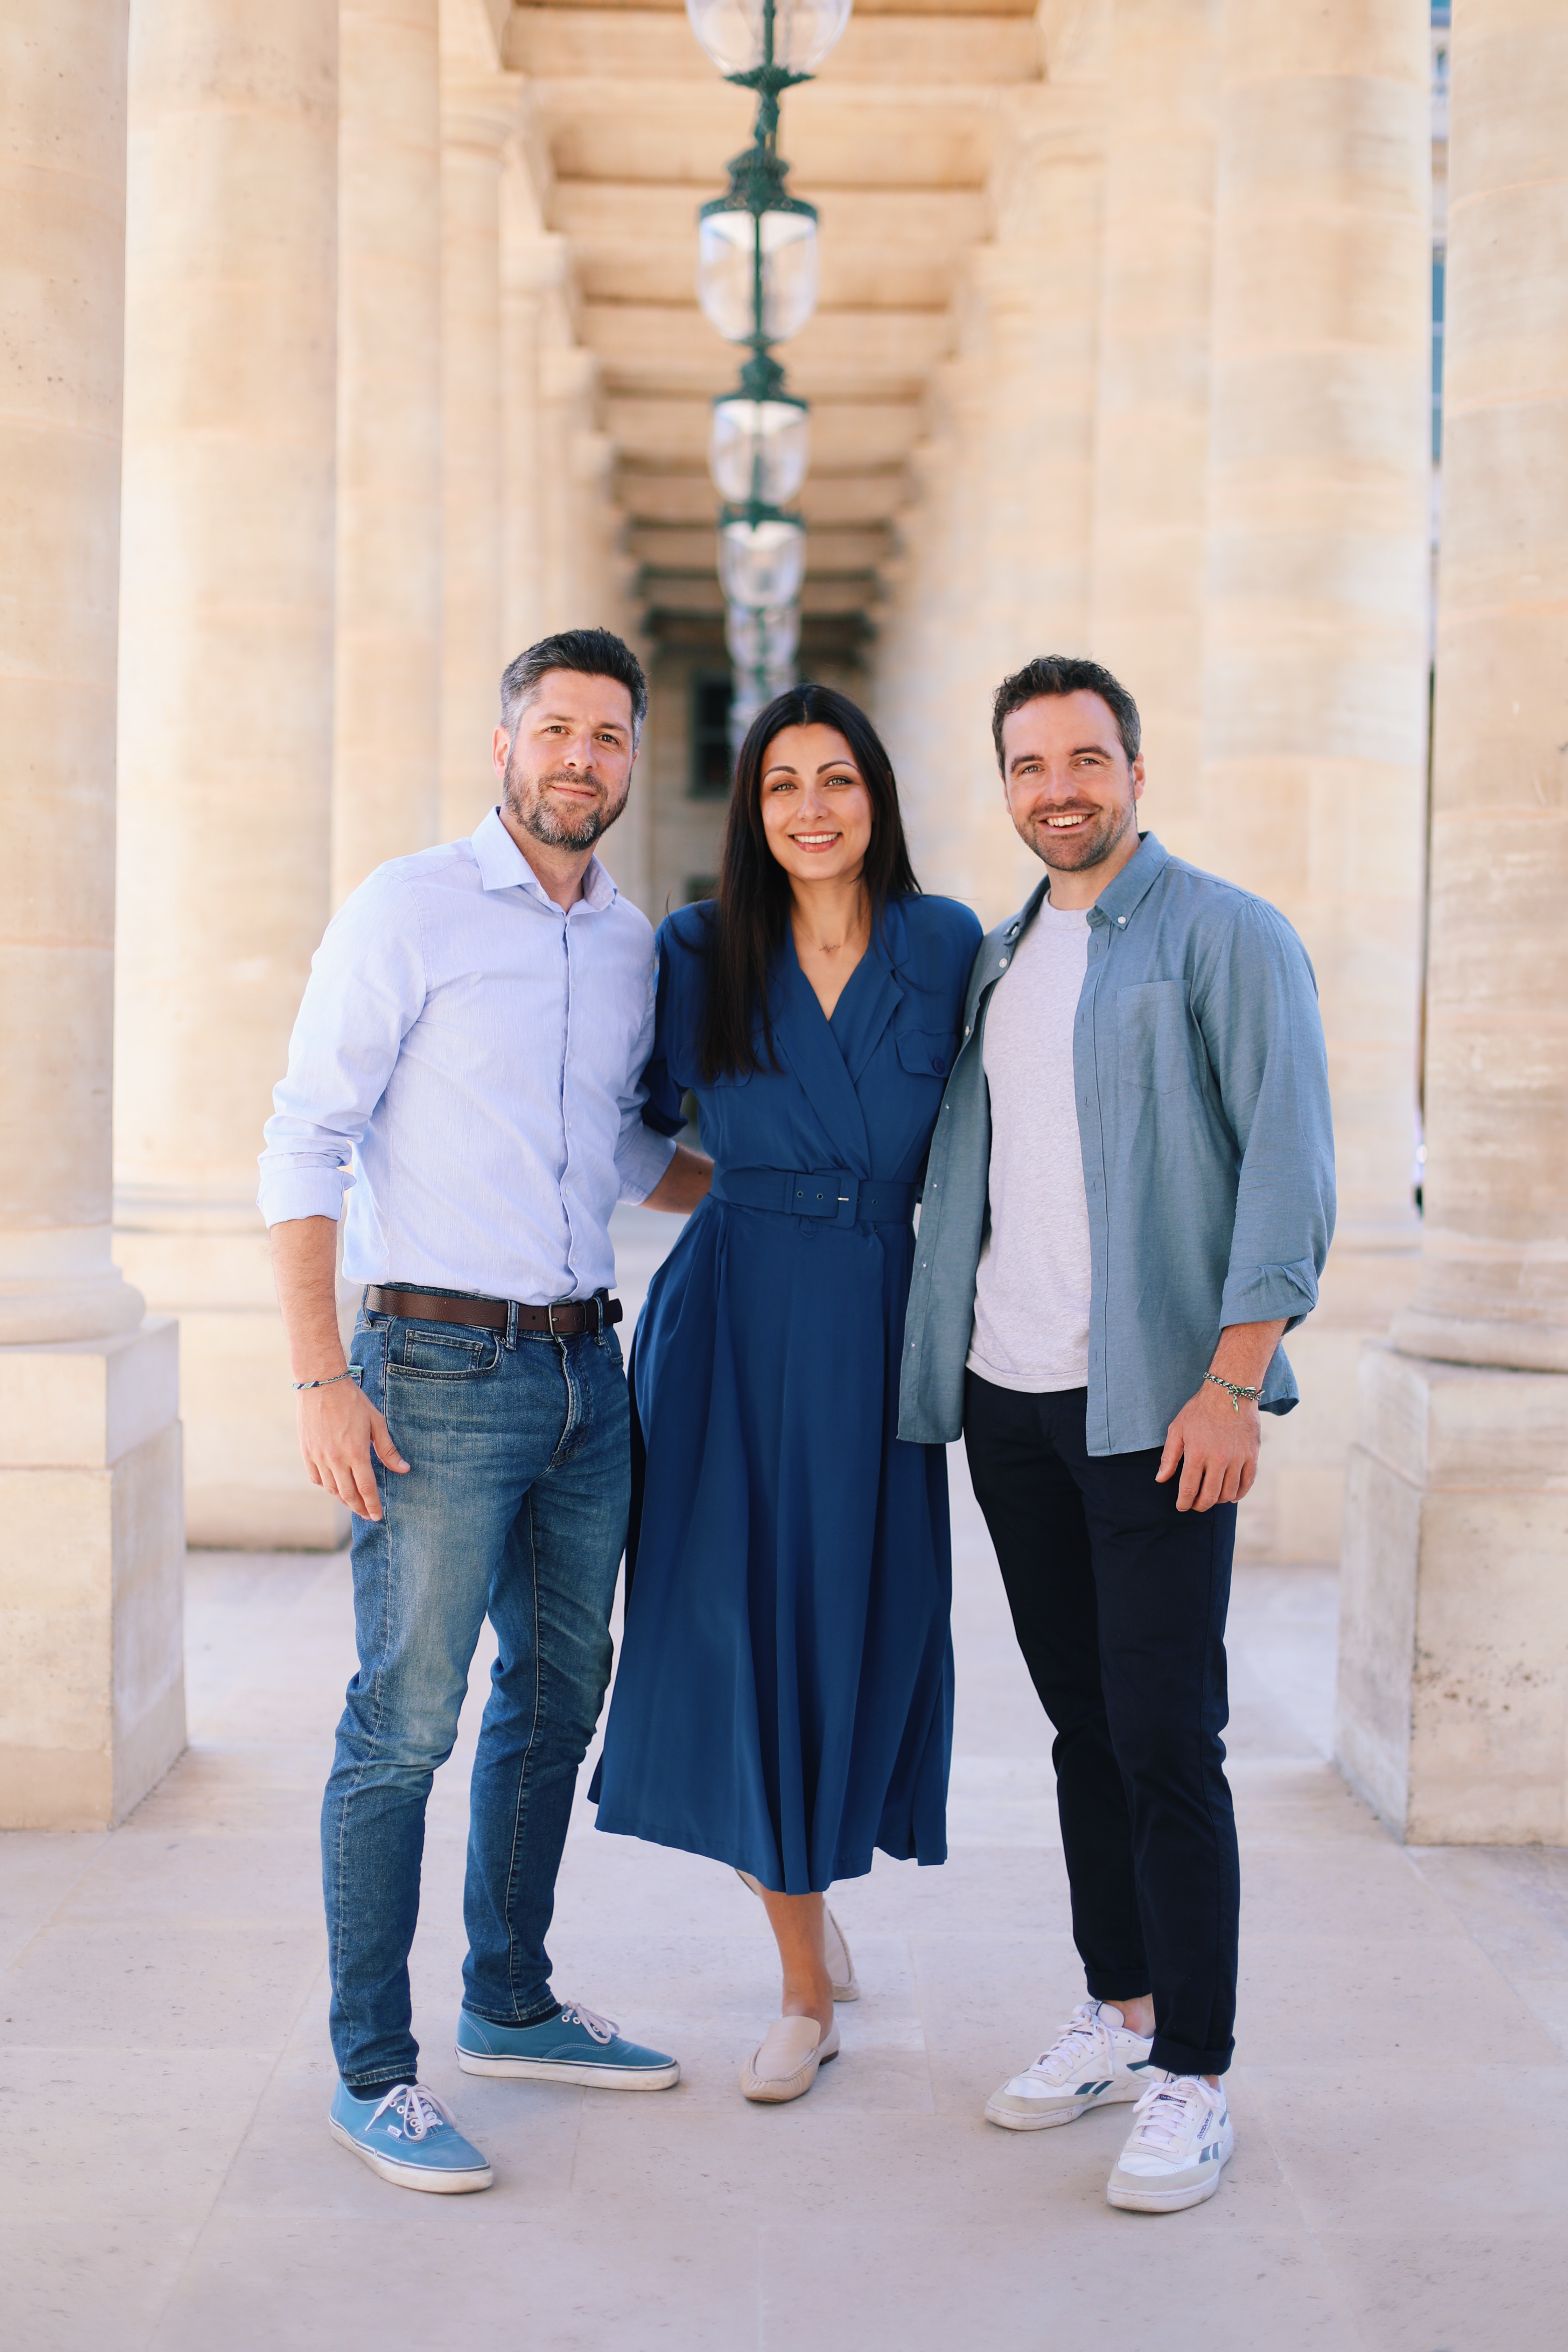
{"x": 592, "y": 653}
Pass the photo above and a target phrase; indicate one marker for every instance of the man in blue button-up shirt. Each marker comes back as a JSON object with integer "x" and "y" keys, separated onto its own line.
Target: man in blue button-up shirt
{"x": 1129, "y": 1203}
{"x": 467, "y": 1069}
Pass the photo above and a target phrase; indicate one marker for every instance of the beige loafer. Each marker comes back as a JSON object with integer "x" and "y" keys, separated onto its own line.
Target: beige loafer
{"x": 840, "y": 1966}
{"x": 784, "y": 2065}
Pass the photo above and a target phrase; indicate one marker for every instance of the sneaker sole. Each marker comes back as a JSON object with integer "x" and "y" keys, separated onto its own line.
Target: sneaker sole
{"x": 1010, "y": 2120}
{"x": 593, "y": 2078}
{"x": 1163, "y": 2201}
{"x": 412, "y": 2175}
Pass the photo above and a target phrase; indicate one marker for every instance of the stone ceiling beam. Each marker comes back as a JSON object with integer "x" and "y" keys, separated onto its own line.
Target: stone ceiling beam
{"x": 554, "y": 45}
{"x": 657, "y": 347}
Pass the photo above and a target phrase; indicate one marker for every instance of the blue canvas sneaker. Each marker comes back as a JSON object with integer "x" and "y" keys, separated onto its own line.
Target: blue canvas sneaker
{"x": 574, "y": 2046}
{"x": 409, "y": 2137}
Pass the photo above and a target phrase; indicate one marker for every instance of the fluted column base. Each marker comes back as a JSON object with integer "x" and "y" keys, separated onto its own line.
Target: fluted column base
{"x": 1452, "y": 1718}
{"x": 92, "y": 1690}
{"x": 206, "y": 1259}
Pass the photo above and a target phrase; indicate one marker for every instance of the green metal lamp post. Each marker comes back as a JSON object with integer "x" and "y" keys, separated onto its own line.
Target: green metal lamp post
{"x": 756, "y": 280}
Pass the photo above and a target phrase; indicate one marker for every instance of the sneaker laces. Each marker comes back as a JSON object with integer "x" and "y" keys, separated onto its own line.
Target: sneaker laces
{"x": 600, "y": 2029}
{"x": 419, "y": 2111}
{"x": 1162, "y": 2120}
{"x": 1083, "y": 2036}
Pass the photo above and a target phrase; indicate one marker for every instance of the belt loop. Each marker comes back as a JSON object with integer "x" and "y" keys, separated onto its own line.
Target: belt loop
{"x": 511, "y": 1341}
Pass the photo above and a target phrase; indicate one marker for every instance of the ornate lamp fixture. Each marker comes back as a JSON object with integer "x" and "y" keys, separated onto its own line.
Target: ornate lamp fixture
{"x": 756, "y": 280}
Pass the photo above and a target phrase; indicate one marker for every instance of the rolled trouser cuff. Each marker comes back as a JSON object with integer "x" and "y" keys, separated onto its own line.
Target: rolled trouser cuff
{"x": 1178, "y": 2058}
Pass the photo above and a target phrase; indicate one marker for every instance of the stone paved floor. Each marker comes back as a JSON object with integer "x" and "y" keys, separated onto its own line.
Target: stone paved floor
{"x": 166, "y": 2180}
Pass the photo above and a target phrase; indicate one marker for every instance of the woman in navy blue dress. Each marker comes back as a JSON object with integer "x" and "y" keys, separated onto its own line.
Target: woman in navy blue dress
{"x": 784, "y": 1696}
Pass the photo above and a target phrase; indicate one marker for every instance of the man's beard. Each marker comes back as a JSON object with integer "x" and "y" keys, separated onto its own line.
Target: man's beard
{"x": 1071, "y": 857}
{"x": 552, "y": 826}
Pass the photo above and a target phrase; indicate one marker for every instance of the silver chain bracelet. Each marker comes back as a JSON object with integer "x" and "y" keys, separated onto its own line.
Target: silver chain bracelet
{"x": 324, "y": 1384}
{"x": 1233, "y": 1391}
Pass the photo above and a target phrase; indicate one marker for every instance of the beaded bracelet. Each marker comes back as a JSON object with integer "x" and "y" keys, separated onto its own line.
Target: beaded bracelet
{"x": 324, "y": 1384}
{"x": 1233, "y": 1391}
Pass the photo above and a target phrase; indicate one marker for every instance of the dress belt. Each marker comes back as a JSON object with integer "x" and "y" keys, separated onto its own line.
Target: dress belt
{"x": 831, "y": 1193}
{"x": 566, "y": 1319}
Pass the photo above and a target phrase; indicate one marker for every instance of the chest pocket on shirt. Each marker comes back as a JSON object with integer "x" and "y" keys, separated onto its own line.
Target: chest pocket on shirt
{"x": 1153, "y": 1038}
{"x": 926, "y": 1054}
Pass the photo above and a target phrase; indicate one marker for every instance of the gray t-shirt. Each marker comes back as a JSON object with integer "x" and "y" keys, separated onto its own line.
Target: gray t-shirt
{"x": 1031, "y": 1293}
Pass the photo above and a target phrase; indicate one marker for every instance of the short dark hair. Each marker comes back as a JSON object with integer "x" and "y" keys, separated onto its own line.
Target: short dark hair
{"x": 1054, "y": 674}
{"x": 592, "y": 653}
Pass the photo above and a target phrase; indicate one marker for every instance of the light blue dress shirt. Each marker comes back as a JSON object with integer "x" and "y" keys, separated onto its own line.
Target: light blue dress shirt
{"x": 1208, "y": 1147}
{"x": 466, "y": 1066}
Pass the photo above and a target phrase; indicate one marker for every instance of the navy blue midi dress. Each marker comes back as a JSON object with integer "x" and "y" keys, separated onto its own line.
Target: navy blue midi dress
{"x": 784, "y": 1701}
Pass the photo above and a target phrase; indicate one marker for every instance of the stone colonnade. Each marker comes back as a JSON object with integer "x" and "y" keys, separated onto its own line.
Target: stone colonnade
{"x": 1187, "y": 435}
{"x": 92, "y": 1576}
{"x": 320, "y": 434}
{"x": 1453, "y": 1712}
{"x": 235, "y": 247}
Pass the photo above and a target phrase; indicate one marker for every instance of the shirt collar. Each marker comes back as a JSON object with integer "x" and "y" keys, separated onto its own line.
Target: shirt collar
{"x": 1121, "y": 897}
{"x": 503, "y": 867}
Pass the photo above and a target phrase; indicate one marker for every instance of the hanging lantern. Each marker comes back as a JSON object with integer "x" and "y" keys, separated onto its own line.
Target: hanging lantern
{"x": 762, "y": 560}
{"x": 763, "y": 640}
{"x": 758, "y": 450}
{"x": 737, "y": 34}
{"x": 756, "y": 269}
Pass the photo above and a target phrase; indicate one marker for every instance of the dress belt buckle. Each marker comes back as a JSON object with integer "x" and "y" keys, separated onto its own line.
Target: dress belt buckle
{"x": 849, "y": 1201}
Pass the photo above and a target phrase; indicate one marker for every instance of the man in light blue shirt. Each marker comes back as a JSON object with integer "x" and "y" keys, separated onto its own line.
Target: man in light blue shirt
{"x": 466, "y": 1069}
{"x": 1127, "y": 1204}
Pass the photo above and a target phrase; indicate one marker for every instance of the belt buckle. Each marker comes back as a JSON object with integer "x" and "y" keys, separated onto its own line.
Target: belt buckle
{"x": 550, "y": 1319}
{"x": 849, "y": 1201}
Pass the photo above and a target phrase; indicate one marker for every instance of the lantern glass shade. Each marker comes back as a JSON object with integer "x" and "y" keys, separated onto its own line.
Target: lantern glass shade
{"x": 758, "y": 450}
{"x": 762, "y": 564}
{"x": 766, "y": 641}
{"x": 734, "y": 250}
{"x": 734, "y": 33}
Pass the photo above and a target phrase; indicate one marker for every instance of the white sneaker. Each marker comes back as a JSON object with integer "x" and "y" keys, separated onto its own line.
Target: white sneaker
{"x": 1093, "y": 2062}
{"x": 1181, "y": 2141}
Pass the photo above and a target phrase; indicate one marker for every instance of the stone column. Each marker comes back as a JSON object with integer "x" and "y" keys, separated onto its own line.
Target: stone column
{"x": 386, "y": 798}
{"x": 477, "y": 116}
{"x": 226, "y": 696}
{"x": 91, "y": 1666}
{"x": 1453, "y": 1713}
{"x": 998, "y": 567}
{"x": 532, "y": 262}
{"x": 1151, "y": 426}
{"x": 1314, "y": 690}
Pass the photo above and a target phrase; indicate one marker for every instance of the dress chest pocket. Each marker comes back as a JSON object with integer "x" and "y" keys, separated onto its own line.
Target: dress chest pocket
{"x": 926, "y": 1053}
{"x": 1154, "y": 1038}
{"x": 422, "y": 1354}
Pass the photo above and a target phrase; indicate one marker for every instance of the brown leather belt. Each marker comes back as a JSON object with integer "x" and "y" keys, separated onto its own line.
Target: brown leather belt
{"x": 565, "y": 1321}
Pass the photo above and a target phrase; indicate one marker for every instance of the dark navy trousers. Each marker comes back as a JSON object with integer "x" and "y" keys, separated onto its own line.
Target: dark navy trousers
{"x": 1118, "y": 1602}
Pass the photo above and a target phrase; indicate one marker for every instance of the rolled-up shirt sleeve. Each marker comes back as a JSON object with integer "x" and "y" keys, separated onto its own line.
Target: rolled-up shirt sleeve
{"x": 366, "y": 990}
{"x": 1257, "y": 1004}
{"x": 645, "y": 1144}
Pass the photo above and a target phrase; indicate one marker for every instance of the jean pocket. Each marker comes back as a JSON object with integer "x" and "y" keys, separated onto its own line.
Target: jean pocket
{"x": 453, "y": 1353}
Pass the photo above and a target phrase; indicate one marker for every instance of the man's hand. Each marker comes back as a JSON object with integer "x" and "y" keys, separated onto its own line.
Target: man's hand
{"x": 1214, "y": 1437}
{"x": 339, "y": 1426}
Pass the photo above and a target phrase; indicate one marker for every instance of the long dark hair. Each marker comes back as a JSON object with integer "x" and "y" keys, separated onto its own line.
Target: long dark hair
{"x": 746, "y": 921}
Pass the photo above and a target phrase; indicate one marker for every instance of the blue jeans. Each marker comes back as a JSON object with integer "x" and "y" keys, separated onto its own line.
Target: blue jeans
{"x": 515, "y": 1507}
